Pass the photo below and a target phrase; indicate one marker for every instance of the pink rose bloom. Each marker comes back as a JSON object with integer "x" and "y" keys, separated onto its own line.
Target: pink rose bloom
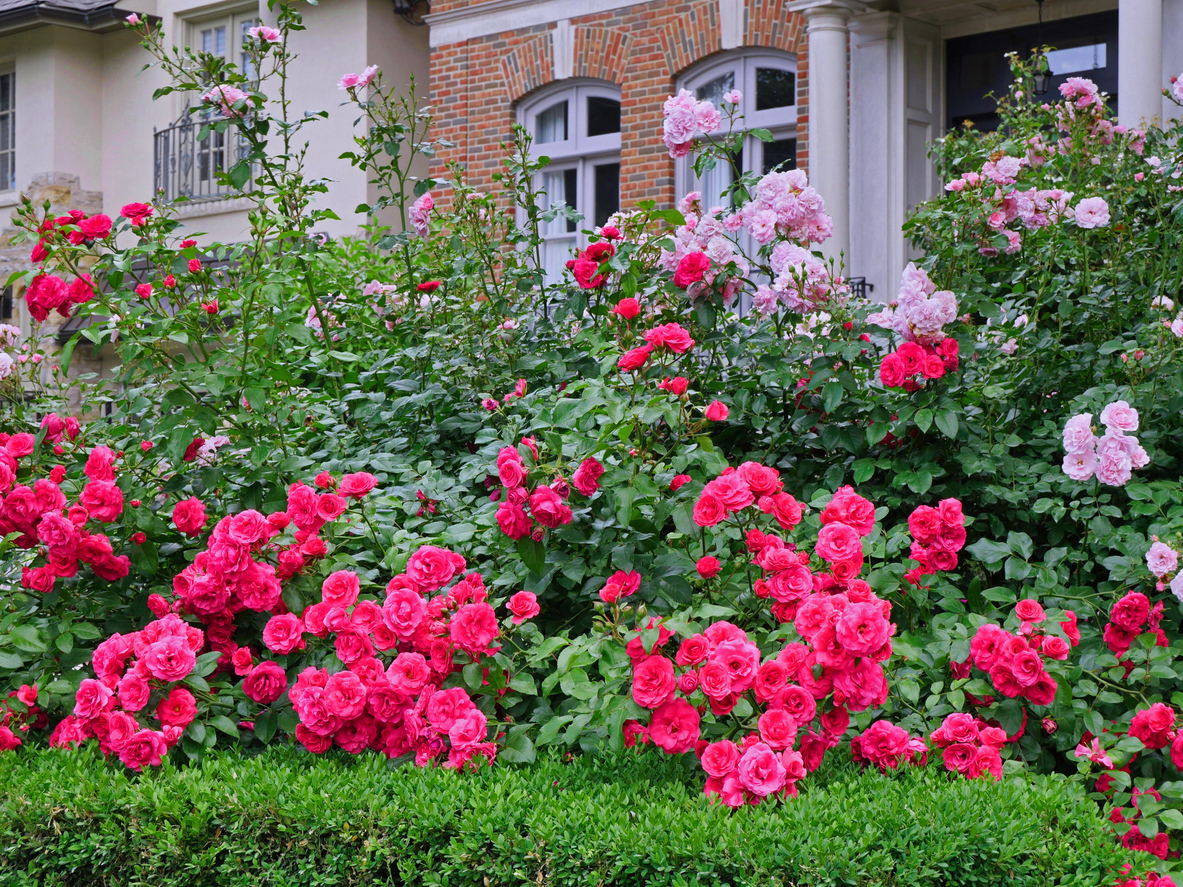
{"x": 189, "y": 516}
{"x": 628, "y": 308}
{"x": 1092, "y": 212}
{"x": 431, "y": 568}
{"x": 675, "y": 727}
{"x": 720, "y": 758}
{"x": 548, "y": 508}
{"x": 671, "y": 336}
{"x": 717, "y": 411}
{"x": 1115, "y": 469}
{"x": 1080, "y": 466}
{"x": 778, "y": 728}
{"x": 620, "y": 585}
{"x": 349, "y": 81}
{"x": 144, "y": 749}
{"x": 468, "y": 729}
{"x": 473, "y": 628}
{"x": 341, "y": 588}
{"x": 178, "y": 709}
{"x": 587, "y": 476}
{"x": 653, "y": 681}
{"x": 356, "y": 486}
{"x": 1155, "y": 726}
{"x": 708, "y": 567}
{"x": 1161, "y": 559}
{"x": 634, "y": 359}
{"x": 1078, "y": 434}
{"x": 92, "y": 698}
{"x": 1029, "y": 610}
{"x": 1120, "y": 416}
{"x": 706, "y": 117}
{"x": 264, "y": 34}
{"x": 403, "y": 611}
{"x": 513, "y": 520}
{"x": 861, "y": 629}
{"x": 691, "y": 269}
{"x": 837, "y": 542}
{"x": 523, "y": 605}
{"x": 283, "y": 634}
{"x": 368, "y": 75}
{"x": 102, "y": 500}
{"x": 266, "y": 683}
{"x": 420, "y": 214}
{"x": 761, "y": 771}
{"x": 170, "y": 659}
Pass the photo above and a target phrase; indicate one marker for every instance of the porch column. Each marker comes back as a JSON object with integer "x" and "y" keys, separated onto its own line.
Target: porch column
{"x": 829, "y": 128}
{"x": 1139, "y": 61}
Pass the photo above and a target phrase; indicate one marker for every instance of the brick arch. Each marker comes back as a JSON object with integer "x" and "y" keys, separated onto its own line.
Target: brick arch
{"x": 689, "y": 38}
{"x": 770, "y": 25}
{"x": 529, "y": 65}
{"x": 600, "y": 53}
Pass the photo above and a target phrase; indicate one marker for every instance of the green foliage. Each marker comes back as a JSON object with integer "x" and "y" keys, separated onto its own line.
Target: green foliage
{"x": 287, "y": 818}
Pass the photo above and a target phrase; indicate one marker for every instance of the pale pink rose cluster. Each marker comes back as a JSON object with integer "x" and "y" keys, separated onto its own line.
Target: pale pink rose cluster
{"x": 785, "y": 205}
{"x": 1111, "y": 458}
{"x": 420, "y": 214}
{"x": 358, "y": 81}
{"x": 226, "y": 97}
{"x": 1176, "y": 90}
{"x": 707, "y": 235}
{"x": 264, "y": 34}
{"x": 1033, "y": 208}
{"x": 919, "y": 311}
{"x": 686, "y": 118}
{"x": 803, "y": 282}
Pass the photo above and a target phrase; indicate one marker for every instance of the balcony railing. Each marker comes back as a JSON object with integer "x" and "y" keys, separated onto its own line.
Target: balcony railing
{"x": 187, "y": 166}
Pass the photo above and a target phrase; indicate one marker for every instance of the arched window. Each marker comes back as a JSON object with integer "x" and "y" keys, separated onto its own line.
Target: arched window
{"x": 577, "y": 125}
{"x": 768, "y": 82}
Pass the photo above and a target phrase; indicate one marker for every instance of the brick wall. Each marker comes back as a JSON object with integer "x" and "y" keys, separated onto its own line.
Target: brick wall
{"x": 476, "y": 84}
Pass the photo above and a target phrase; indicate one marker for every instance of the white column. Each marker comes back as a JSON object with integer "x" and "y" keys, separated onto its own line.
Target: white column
{"x": 1139, "y": 61}
{"x": 829, "y": 129}
{"x": 876, "y": 167}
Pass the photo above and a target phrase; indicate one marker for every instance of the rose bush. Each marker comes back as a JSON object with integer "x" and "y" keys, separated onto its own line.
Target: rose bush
{"x": 660, "y": 449}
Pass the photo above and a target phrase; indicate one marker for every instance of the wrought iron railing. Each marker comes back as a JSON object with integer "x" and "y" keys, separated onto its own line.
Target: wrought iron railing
{"x": 187, "y": 166}
{"x": 859, "y": 287}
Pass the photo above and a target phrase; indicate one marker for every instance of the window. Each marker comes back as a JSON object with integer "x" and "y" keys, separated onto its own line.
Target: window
{"x": 578, "y": 128}
{"x": 768, "y": 83}
{"x": 8, "y": 131}
{"x": 226, "y": 37}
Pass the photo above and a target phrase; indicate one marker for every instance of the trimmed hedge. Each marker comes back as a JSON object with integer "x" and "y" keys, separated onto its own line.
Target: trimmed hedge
{"x": 287, "y": 818}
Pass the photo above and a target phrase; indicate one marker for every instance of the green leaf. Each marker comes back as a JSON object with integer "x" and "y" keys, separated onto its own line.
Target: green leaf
{"x": 518, "y": 747}
{"x": 532, "y": 553}
{"x": 10, "y": 660}
{"x": 27, "y": 638}
{"x": 225, "y": 725}
{"x": 947, "y": 423}
{"x": 923, "y": 419}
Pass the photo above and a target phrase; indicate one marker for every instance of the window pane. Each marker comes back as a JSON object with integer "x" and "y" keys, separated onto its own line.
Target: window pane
{"x": 5, "y": 133}
{"x": 603, "y": 116}
{"x": 244, "y": 40}
{"x": 775, "y": 89}
{"x": 207, "y": 40}
{"x": 551, "y": 124}
{"x": 6, "y": 92}
{"x": 1079, "y": 58}
{"x": 778, "y": 152}
{"x": 7, "y": 179}
{"x": 977, "y": 70}
{"x": 555, "y": 253}
{"x": 713, "y": 91}
{"x": 715, "y": 181}
{"x": 560, "y": 187}
{"x": 607, "y": 191}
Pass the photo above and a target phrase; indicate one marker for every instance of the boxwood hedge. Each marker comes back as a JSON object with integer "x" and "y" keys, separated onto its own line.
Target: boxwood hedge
{"x": 286, "y": 818}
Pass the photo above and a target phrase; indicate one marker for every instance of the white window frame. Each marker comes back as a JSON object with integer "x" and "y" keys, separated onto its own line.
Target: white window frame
{"x": 9, "y": 114}
{"x": 781, "y": 122}
{"x": 579, "y": 151}
{"x": 236, "y": 20}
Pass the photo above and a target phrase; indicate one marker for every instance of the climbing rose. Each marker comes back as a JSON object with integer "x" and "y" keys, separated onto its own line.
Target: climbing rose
{"x": 523, "y": 606}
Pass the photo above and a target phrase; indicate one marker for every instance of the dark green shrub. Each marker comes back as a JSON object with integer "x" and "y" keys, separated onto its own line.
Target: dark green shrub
{"x": 288, "y": 818}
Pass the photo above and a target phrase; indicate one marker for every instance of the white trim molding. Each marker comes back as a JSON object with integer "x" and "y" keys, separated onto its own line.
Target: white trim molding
{"x": 500, "y": 16}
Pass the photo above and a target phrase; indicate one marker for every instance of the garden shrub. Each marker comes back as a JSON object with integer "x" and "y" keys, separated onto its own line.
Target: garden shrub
{"x": 281, "y": 819}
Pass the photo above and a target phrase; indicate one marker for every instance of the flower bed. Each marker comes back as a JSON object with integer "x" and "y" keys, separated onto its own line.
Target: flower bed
{"x": 410, "y": 497}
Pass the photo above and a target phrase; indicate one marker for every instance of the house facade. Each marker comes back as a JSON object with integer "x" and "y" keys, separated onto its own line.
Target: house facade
{"x": 853, "y": 92}
{"x": 79, "y": 127}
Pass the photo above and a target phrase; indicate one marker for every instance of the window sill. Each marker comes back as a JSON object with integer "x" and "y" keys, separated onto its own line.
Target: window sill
{"x": 218, "y": 206}
{"x": 9, "y": 198}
